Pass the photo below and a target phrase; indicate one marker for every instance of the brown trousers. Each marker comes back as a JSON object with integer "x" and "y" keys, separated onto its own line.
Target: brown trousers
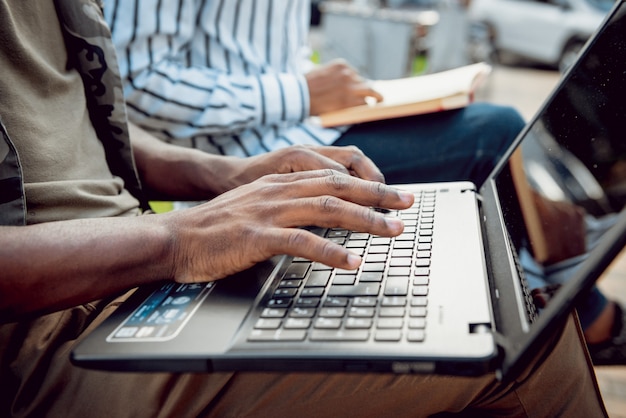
{"x": 37, "y": 380}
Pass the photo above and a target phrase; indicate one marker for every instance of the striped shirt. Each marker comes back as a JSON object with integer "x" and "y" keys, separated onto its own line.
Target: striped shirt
{"x": 224, "y": 76}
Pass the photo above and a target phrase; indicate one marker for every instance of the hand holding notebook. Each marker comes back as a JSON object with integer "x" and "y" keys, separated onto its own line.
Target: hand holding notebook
{"x": 416, "y": 95}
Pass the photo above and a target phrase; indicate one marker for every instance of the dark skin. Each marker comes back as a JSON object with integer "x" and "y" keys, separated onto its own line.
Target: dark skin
{"x": 336, "y": 85}
{"x": 257, "y": 204}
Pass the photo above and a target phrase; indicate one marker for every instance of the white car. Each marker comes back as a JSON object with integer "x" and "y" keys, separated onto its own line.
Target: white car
{"x": 551, "y": 32}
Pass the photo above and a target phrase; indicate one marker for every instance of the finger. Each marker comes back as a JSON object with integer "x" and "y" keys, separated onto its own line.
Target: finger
{"x": 355, "y": 161}
{"x": 359, "y": 95}
{"x": 295, "y": 190}
{"x": 348, "y": 159}
{"x": 341, "y": 64}
{"x": 332, "y": 212}
{"x": 322, "y": 183}
{"x": 301, "y": 243}
{"x": 363, "y": 192}
{"x": 365, "y": 90}
{"x": 305, "y": 158}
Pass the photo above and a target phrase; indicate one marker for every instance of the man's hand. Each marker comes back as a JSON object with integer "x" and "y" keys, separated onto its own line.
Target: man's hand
{"x": 257, "y": 221}
{"x": 336, "y": 86}
{"x": 347, "y": 160}
{"x": 87, "y": 259}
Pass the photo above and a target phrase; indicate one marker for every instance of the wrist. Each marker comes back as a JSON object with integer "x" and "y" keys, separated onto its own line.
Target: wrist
{"x": 215, "y": 175}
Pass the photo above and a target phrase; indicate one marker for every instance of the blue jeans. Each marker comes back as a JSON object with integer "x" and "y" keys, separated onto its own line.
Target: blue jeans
{"x": 462, "y": 144}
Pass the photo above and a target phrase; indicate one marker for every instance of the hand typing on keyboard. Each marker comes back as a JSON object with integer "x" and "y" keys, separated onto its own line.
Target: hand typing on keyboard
{"x": 261, "y": 218}
{"x": 384, "y": 299}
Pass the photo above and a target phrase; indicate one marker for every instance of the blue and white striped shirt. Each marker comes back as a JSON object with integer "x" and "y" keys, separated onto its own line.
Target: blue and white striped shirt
{"x": 224, "y": 76}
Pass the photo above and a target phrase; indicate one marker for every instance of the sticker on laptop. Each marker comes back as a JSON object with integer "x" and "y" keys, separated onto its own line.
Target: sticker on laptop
{"x": 163, "y": 314}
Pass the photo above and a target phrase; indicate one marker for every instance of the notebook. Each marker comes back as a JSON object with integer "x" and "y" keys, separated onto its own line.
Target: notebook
{"x": 450, "y": 295}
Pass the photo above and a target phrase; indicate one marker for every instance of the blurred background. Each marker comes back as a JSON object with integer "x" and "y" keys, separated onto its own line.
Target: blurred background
{"x": 529, "y": 43}
{"x": 434, "y": 35}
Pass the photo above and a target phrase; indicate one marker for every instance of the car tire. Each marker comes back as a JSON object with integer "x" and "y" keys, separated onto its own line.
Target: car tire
{"x": 481, "y": 43}
{"x": 570, "y": 54}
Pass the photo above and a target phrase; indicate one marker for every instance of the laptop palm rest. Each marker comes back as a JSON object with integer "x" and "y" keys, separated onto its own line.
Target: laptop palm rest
{"x": 182, "y": 324}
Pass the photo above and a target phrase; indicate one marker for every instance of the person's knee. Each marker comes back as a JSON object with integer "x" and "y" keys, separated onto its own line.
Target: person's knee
{"x": 511, "y": 120}
{"x": 497, "y": 119}
{"x": 495, "y": 128}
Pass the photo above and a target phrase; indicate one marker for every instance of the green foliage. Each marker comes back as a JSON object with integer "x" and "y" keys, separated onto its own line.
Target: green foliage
{"x": 161, "y": 207}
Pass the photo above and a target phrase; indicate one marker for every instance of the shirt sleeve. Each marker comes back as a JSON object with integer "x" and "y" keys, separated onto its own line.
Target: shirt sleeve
{"x": 168, "y": 95}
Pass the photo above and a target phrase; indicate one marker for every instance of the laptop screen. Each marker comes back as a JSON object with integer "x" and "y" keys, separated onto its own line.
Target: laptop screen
{"x": 567, "y": 181}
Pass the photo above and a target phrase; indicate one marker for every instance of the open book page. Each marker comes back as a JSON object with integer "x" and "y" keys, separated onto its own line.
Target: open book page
{"x": 416, "y": 95}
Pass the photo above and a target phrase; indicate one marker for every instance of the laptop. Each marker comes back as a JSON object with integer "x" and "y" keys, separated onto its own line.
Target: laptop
{"x": 448, "y": 296}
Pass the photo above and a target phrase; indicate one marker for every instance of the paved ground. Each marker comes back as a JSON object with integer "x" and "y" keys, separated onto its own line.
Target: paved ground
{"x": 524, "y": 88}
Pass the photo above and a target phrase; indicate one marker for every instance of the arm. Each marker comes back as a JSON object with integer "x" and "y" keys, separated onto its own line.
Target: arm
{"x": 167, "y": 94}
{"x": 170, "y": 172}
{"x": 61, "y": 264}
{"x": 184, "y": 100}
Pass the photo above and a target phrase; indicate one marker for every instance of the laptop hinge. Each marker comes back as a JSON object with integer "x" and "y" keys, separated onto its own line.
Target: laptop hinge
{"x": 500, "y": 340}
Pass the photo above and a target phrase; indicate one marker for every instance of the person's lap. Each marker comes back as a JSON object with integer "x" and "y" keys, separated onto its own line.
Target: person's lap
{"x": 44, "y": 383}
{"x": 556, "y": 382}
{"x": 460, "y": 144}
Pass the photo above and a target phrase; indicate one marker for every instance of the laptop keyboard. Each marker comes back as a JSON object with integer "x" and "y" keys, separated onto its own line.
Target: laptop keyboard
{"x": 386, "y": 299}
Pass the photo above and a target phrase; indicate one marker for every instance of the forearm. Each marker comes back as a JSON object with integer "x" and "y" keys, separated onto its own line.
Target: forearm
{"x": 61, "y": 264}
{"x": 170, "y": 172}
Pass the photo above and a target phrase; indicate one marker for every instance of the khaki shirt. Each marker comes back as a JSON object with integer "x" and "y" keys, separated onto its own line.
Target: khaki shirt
{"x": 64, "y": 148}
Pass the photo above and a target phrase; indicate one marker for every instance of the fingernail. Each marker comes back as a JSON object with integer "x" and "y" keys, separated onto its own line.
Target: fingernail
{"x": 354, "y": 260}
{"x": 407, "y": 197}
{"x": 395, "y": 224}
